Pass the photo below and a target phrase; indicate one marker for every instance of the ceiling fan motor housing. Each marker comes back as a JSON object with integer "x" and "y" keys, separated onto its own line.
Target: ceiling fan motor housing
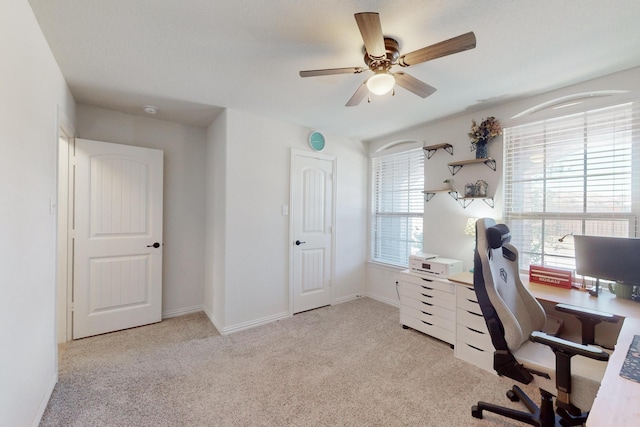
{"x": 392, "y": 48}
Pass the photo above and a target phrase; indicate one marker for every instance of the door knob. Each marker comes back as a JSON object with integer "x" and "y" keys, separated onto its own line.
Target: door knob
{"x": 155, "y": 245}
{"x": 298, "y": 242}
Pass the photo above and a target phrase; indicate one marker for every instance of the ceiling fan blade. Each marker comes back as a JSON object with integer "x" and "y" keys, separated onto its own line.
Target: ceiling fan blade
{"x": 414, "y": 85}
{"x": 444, "y": 48}
{"x": 330, "y": 71}
{"x": 358, "y": 96}
{"x": 371, "y": 31}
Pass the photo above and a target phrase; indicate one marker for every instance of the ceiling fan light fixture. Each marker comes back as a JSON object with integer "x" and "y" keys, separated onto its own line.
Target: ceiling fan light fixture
{"x": 381, "y": 83}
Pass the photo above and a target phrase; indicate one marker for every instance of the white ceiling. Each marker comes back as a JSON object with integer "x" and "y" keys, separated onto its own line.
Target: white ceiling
{"x": 190, "y": 58}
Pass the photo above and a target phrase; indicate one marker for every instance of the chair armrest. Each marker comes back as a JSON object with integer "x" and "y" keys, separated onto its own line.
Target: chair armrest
{"x": 588, "y": 313}
{"x": 568, "y": 347}
{"x": 589, "y": 319}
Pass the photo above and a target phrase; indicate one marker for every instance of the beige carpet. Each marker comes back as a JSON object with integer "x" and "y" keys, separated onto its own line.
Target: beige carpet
{"x": 351, "y": 364}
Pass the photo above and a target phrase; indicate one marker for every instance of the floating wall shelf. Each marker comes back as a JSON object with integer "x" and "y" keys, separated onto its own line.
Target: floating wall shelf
{"x": 454, "y": 167}
{"x": 428, "y": 194}
{"x": 430, "y": 150}
{"x": 466, "y": 201}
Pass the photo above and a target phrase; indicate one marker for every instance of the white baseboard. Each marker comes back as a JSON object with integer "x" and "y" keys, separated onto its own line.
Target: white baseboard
{"x": 347, "y": 298}
{"x": 45, "y": 399}
{"x": 212, "y": 319}
{"x": 392, "y": 302}
{"x": 182, "y": 311}
{"x": 250, "y": 324}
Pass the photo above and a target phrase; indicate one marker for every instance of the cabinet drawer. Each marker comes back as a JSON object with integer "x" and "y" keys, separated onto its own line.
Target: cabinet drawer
{"x": 433, "y": 330}
{"x": 433, "y": 319}
{"x": 429, "y": 307}
{"x": 478, "y": 357}
{"x": 467, "y": 299}
{"x": 430, "y": 298}
{"x": 428, "y": 290}
{"x": 441, "y": 284}
{"x": 472, "y": 320}
{"x": 471, "y": 336}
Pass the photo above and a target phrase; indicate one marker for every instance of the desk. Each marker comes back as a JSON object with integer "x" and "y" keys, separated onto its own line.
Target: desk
{"x": 617, "y": 401}
{"x": 606, "y": 301}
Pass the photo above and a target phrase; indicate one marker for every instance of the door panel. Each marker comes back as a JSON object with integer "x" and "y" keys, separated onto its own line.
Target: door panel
{"x": 312, "y": 219}
{"x": 118, "y": 218}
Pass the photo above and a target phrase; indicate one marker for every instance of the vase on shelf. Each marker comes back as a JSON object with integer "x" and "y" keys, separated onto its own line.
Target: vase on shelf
{"x": 481, "y": 149}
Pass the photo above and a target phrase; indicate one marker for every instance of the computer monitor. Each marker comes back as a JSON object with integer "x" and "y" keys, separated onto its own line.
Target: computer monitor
{"x": 608, "y": 258}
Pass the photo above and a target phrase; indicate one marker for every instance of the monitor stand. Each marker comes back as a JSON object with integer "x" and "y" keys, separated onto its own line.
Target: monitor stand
{"x": 594, "y": 292}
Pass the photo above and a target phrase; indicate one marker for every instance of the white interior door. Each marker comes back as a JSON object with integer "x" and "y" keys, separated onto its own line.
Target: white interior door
{"x": 117, "y": 280}
{"x": 312, "y": 189}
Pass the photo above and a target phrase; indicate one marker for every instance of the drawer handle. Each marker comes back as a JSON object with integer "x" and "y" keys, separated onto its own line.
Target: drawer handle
{"x": 475, "y": 314}
{"x": 426, "y": 280}
{"x": 425, "y": 295}
{"x": 430, "y": 324}
{"x": 427, "y": 288}
{"x": 476, "y": 331}
{"x": 427, "y": 303}
{"x": 428, "y": 314}
{"x": 476, "y": 348}
{"x": 472, "y": 301}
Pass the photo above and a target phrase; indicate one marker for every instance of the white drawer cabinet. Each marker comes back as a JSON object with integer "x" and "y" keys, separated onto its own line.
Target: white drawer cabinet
{"x": 428, "y": 305}
{"x": 473, "y": 343}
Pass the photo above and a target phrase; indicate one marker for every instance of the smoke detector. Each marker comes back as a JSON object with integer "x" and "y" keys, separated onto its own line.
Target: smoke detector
{"x": 150, "y": 109}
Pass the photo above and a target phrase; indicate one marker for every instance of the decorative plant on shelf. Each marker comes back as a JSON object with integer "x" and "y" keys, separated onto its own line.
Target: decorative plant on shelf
{"x": 481, "y": 134}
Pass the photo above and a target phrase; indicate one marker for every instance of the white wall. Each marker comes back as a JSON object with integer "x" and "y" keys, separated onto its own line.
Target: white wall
{"x": 184, "y": 195}
{"x": 216, "y": 220}
{"x": 33, "y": 90}
{"x": 255, "y": 235}
{"x": 444, "y": 218}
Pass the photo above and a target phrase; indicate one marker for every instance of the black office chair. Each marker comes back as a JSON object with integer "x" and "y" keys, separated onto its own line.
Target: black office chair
{"x": 561, "y": 368}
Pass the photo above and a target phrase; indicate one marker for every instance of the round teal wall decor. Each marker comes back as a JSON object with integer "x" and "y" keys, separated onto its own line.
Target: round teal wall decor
{"x": 316, "y": 141}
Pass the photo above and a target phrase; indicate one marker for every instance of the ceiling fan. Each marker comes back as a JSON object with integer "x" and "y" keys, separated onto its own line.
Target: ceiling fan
{"x": 381, "y": 53}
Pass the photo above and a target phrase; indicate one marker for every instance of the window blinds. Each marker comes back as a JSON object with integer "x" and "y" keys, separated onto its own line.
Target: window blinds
{"x": 398, "y": 205}
{"x": 575, "y": 174}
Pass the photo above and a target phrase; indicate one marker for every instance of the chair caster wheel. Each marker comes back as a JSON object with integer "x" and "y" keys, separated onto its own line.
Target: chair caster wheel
{"x": 475, "y": 412}
{"x": 512, "y": 396}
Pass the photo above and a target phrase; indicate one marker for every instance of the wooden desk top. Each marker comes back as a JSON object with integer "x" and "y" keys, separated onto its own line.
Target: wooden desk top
{"x": 616, "y": 403}
{"x": 605, "y": 301}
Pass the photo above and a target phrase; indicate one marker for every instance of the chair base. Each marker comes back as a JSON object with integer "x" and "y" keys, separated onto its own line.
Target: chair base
{"x": 542, "y": 416}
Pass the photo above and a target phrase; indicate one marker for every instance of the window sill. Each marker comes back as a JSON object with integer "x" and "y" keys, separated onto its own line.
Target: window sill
{"x": 384, "y": 266}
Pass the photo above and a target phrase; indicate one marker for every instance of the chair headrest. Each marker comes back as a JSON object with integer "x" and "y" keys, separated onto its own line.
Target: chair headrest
{"x": 498, "y": 235}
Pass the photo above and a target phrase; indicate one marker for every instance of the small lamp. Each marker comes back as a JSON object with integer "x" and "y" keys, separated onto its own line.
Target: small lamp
{"x": 470, "y": 230}
{"x": 382, "y": 82}
{"x": 470, "y": 227}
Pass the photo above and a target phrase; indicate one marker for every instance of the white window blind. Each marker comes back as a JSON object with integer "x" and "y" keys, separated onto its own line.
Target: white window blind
{"x": 398, "y": 205}
{"x": 576, "y": 174}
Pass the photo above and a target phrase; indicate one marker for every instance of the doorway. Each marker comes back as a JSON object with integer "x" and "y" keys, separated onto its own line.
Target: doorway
{"x": 109, "y": 250}
{"x": 312, "y": 189}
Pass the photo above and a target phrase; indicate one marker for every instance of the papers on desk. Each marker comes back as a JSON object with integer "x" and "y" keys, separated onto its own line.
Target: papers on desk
{"x": 631, "y": 365}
